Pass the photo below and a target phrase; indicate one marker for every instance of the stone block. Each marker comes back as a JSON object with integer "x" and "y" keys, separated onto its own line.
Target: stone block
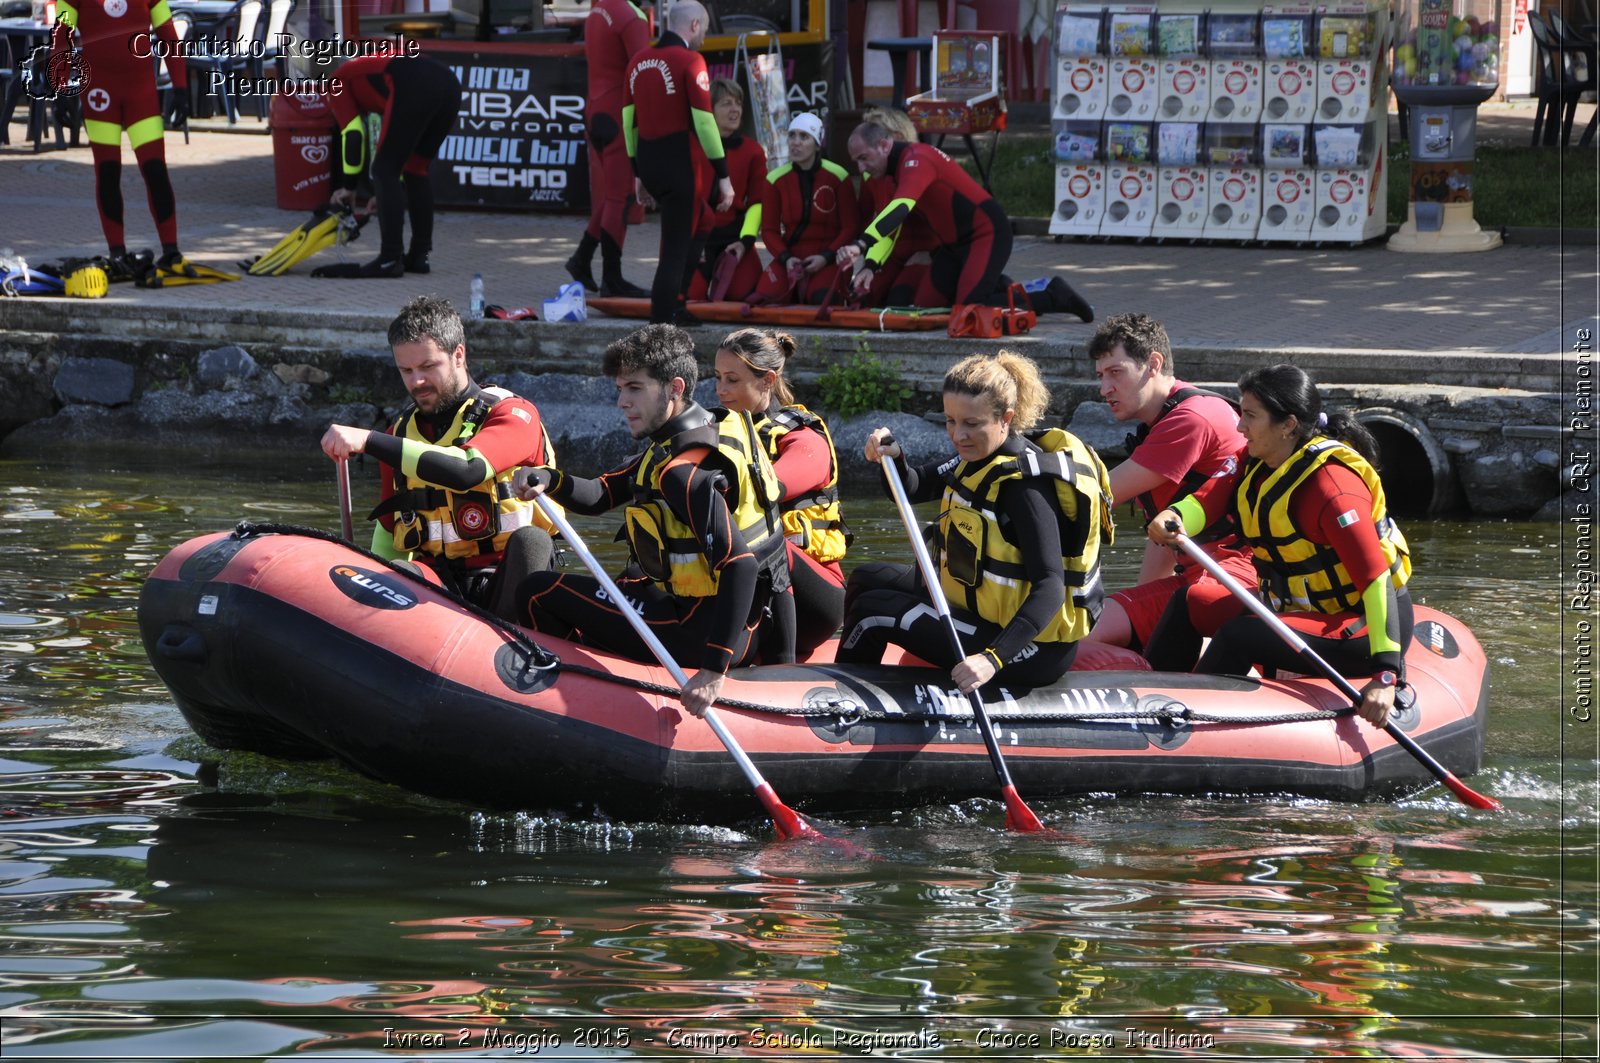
{"x": 97, "y": 381}
{"x": 215, "y": 368}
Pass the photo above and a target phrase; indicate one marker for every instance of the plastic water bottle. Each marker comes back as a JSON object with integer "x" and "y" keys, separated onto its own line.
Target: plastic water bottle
{"x": 475, "y": 298}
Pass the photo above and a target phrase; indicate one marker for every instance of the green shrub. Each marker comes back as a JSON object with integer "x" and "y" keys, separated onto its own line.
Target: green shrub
{"x": 862, "y": 383}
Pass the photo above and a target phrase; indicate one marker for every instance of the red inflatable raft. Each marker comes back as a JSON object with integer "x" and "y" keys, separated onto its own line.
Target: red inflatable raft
{"x": 299, "y": 646}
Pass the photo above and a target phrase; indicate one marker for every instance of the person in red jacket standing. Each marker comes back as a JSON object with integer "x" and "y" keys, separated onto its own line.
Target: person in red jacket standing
{"x": 808, "y": 212}
{"x": 666, "y": 108}
{"x": 418, "y": 99}
{"x": 730, "y": 243}
{"x": 119, "y": 95}
{"x": 614, "y": 32}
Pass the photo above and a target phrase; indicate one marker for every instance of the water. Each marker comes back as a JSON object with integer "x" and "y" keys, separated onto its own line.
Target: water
{"x": 161, "y": 901}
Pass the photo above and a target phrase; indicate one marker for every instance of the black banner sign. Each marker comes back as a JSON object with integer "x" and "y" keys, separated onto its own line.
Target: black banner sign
{"x": 518, "y": 142}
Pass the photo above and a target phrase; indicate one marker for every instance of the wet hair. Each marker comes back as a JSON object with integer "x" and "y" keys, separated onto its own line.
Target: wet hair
{"x": 762, "y": 350}
{"x": 1138, "y": 334}
{"x": 1285, "y": 390}
{"x": 896, "y": 122}
{"x": 871, "y": 133}
{"x": 1010, "y": 381}
{"x": 722, "y": 87}
{"x": 662, "y": 351}
{"x": 428, "y": 317}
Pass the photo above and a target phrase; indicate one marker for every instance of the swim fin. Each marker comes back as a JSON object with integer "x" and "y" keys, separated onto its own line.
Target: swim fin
{"x": 325, "y": 227}
{"x": 174, "y": 270}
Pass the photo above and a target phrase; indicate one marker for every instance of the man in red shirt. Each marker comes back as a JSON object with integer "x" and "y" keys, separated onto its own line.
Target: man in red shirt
{"x": 418, "y": 99}
{"x": 447, "y": 465}
{"x": 614, "y": 32}
{"x": 1185, "y": 437}
{"x": 667, "y": 108}
{"x": 119, "y": 95}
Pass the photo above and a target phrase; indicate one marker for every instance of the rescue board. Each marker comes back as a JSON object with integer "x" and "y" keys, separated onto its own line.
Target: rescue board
{"x": 791, "y": 316}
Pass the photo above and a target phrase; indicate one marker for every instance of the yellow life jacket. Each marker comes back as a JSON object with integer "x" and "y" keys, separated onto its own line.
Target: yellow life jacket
{"x": 1293, "y": 571}
{"x": 981, "y": 561}
{"x": 456, "y": 524}
{"x": 665, "y": 547}
{"x": 813, "y": 522}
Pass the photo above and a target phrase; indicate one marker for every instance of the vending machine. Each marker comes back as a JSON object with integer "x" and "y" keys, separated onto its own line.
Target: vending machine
{"x": 1180, "y": 182}
{"x": 1081, "y": 70}
{"x": 1080, "y": 179}
{"x": 1183, "y": 74}
{"x": 1350, "y": 81}
{"x": 1289, "y": 87}
{"x": 1233, "y": 181}
{"x": 1233, "y": 45}
{"x": 1130, "y": 190}
{"x": 1130, "y": 40}
{"x": 1446, "y": 62}
{"x": 1288, "y": 183}
{"x": 1351, "y": 192}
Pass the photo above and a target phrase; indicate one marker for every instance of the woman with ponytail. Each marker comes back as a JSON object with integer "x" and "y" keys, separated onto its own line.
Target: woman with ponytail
{"x": 749, "y": 368}
{"x": 1018, "y": 541}
{"x": 1329, "y": 557}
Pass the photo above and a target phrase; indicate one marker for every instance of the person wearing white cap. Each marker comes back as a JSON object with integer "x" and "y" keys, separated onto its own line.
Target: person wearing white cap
{"x": 808, "y": 212}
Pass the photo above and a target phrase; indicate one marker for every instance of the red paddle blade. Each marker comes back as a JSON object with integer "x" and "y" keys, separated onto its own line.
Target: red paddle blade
{"x": 785, "y": 819}
{"x": 1467, "y": 794}
{"x": 1019, "y": 817}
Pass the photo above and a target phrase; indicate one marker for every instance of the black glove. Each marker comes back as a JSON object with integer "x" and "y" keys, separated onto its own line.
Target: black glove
{"x": 180, "y": 107}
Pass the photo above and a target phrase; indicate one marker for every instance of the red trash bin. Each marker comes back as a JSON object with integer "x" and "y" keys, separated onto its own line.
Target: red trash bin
{"x": 302, "y": 150}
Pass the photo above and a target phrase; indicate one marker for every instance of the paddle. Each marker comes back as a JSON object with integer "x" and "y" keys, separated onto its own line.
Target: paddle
{"x": 785, "y": 819}
{"x": 347, "y": 526}
{"x": 1288, "y": 634}
{"x": 1019, "y": 816}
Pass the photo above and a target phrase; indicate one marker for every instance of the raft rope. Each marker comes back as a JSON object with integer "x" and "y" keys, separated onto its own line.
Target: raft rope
{"x": 848, "y": 711}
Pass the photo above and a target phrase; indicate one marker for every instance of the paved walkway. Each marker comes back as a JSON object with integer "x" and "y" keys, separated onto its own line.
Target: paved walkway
{"x": 1523, "y": 298}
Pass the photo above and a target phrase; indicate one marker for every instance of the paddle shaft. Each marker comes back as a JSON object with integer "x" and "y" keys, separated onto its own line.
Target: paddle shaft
{"x": 1298, "y": 644}
{"x": 1018, "y": 815}
{"x": 785, "y": 818}
{"x": 347, "y": 526}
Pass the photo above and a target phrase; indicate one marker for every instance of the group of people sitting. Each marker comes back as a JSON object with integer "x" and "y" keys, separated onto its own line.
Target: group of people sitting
{"x": 736, "y": 532}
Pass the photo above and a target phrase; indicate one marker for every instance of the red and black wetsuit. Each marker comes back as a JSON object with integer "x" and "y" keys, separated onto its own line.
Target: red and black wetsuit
{"x": 895, "y": 283}
{"x": 119, "y": 94}
{"x": 972, "y": 232}
{"x": 747, "y": 169}
{"x": 666, "y": 110}
{"x": 614, "y": 32}
{"x": 716, "y": 632}
{"x": 418, "y": 99}
{"x": 805, "y": 212}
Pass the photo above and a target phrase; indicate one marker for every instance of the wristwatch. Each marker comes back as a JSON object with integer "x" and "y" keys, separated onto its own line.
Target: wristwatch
{"x": 1386, "y": 679}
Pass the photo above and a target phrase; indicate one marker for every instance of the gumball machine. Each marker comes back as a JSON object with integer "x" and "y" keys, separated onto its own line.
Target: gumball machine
{"x": 1130, "y": 179}
{"x": 1081, "y": 74}
{"x": 1233, "y": 181}
{"x": 1290, "y": 83}
{"x": 1183, "y": 76}
{"x": 1132, "y": 71}
{"x": 1181, "y": 198}
{"x": 1080, "y": 178}
{"x": 1446, "y": 62}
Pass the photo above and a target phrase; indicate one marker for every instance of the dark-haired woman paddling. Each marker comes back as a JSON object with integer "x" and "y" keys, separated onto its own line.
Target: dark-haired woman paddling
{"x": 1329, "y": 557}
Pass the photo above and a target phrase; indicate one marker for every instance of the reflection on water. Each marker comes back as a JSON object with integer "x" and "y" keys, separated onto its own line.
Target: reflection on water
{"x": 157, "y": 900}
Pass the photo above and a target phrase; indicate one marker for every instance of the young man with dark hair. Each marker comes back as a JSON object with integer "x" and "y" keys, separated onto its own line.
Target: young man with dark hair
{"x": 447, "y": 464}
{"x": 700, "y": 519}
{"x": 1185, "y": 436}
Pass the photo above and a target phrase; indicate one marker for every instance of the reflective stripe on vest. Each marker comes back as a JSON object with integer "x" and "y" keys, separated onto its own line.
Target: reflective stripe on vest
{"x": 981, "y": 566}
{"x": 1294, "y": 572}
{"x": 814, "y": 522}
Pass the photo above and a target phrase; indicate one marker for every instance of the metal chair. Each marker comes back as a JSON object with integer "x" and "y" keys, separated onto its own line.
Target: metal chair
{"x": 182, "y": 24}
{"x": 278, "y": 12}
{"x": 1557, "y": 87}
{"x": 1583, "y": 47}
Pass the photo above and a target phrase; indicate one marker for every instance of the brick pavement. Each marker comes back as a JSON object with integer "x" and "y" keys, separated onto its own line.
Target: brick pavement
{"x": 1522, "y": 298}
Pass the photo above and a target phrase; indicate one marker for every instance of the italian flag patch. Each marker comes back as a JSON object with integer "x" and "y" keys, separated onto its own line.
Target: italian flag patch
{"x": 1347, "y": 518}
